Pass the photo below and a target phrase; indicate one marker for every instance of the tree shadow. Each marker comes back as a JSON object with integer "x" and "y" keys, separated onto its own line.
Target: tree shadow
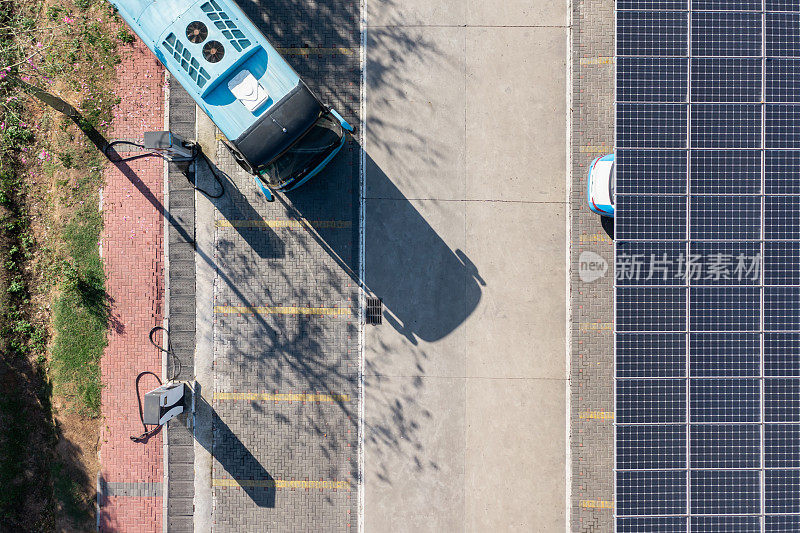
{"x": 94, "y": 298}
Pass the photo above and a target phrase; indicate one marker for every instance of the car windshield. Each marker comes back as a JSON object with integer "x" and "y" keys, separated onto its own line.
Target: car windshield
{"x": 612, "y": 184}
{"x": 305, "y": 154}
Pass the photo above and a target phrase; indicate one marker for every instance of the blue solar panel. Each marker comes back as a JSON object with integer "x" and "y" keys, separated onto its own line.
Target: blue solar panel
{"x": 659, "y": 263}
{"x": 783, "y": 5}
{"x": 783, "y": 80}
{"x": 651, "y": 355}
{"x": 724, "y": 354}
{"x": 782, "y": 125}
{"x": 781, "y": 308}
{"x": 783, "y": 492}
{"x": 646, "y": 447}
{"x": 726, "y": 34}
{"x": 783, "y": 34}
{"x": 781, "y": 442}
{"x": 651, "y": 217}
{"x": 781, "y": 172}
{"x": 651, "y": 171}
{"x": 726, "y": 126}
{"x": 725, "y": 171}
{"x": 652, "y": 79}
{"x": 708, "y": 208}
{"x": 651, "y": 524}
{"x": 726, "y": 80}
{"x": 725, "y": 492}
{"x": 724, "y": 400}
{"x": 651, "y": 125}
{"x": 782, "y": 354}
{"x": 653, "y": 5}
{"x": 782, "y": 400}
{"x": 725, "y": 263}
{"x": 725, "y": 217}
{"x": 782, "y": 263}
{"x": 725, "y": 309}
{"x": 651, "y": 309}
{"x": 782, "y": 524}
{"x": 646, "y": 33}
{"x": 725, "y": 446}
{"x": 725, "y": 524}
{"x": 781, "y": 217}
{"x": 651, "y": 493}
{"x": 651, "y": 401}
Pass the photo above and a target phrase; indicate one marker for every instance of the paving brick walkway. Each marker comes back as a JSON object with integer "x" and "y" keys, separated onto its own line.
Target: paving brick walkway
{"x": 132, "y": 241}
{"x": 592, "y": 367}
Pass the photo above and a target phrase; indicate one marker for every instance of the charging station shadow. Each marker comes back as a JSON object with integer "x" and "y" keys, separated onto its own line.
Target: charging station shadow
{"x": 235, "y": 208}
{"x": 236, "y": 459}
{"x": 427, "y": 288}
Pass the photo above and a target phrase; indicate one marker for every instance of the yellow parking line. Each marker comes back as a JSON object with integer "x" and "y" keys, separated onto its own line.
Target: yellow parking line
{"x": 282, "y": 483}
{"x": 595, "y": 149}
{"x": 596, "y": 415}
{"x": 281, "y": 310}
{"x": 340, "y": 50}
{"x": 281, "y": 397}
{"x": 596, "y": 237}
{"x": 601, "y": 60}
{"x": 596, "y": 326}
{"x": 301, "y": 223}
{"x": 596, "y": 504}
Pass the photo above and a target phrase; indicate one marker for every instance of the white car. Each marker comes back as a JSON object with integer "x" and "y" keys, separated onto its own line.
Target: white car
{"x": 601, "y": 185}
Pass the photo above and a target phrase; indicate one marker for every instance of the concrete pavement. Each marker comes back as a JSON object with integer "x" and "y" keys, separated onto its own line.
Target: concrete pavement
{"x": 465, "y": 243}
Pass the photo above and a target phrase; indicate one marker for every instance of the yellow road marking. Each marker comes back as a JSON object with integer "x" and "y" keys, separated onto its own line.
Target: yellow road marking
{"x": 284, "y": 397}
{"x": 289, "y": 310}
{"x": 316, "y": 51}
{"x": 601, "y": 60}
{"x": 597, "y": 415}
{"x": 596, "y": 504}
{"x": 595, "y": 149}
{"x": 281, "y": 483}
{"x": 596, "y": 326}
{"x": 302, "y": 223}
{"x": 596, "y": 237}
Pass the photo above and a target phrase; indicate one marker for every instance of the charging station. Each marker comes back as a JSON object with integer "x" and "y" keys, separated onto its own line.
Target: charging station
{"x": 164, "y": 403}
{"x": 169, "y": 145}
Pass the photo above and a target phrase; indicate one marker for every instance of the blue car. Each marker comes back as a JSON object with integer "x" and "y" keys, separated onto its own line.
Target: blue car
{"x": 277, "y": 129}
{"x": 600, "y": 185}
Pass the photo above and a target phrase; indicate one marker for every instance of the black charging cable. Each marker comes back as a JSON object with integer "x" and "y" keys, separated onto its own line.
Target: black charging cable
{"x": 197, "y": 152}
{"x": 176, "y": 366}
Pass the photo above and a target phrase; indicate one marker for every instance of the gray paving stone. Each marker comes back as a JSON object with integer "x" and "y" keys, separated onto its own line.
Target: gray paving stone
{"x": 592, "y": 439}
{"x": 266, "y": 442}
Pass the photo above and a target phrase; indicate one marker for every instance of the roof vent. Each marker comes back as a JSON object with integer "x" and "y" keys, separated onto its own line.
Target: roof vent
{"x": 184, "y": 58}
{"x": 196, "y": 32}
{"x": 223, "y": 22}
{"x": 213, "y": 51}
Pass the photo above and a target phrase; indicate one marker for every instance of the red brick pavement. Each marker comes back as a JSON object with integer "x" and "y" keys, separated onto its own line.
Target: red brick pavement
{"x": 132, "y": 243}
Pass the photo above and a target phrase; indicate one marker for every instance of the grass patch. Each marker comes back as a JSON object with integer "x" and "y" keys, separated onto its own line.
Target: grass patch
{"x": 80, "y": 314}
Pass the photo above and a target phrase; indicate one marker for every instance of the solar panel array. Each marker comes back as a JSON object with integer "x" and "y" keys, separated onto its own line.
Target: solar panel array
{"x": 707, "y": 266}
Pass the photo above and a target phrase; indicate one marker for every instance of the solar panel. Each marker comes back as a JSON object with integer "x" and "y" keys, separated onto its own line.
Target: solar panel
{"x": 707, "y": 267}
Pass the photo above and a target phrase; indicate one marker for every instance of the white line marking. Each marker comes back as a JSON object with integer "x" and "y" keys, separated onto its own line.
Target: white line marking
{"x": 568, "y": 279}
{"x": 361, "y": 263}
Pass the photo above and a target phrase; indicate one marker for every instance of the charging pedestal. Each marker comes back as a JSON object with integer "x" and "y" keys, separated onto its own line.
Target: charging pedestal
{"x": 164, "y": 403}
{"x": 168, "y": 144}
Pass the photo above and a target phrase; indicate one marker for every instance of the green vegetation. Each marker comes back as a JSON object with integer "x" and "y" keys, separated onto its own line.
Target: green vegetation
{"x": 54, "y": 309}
